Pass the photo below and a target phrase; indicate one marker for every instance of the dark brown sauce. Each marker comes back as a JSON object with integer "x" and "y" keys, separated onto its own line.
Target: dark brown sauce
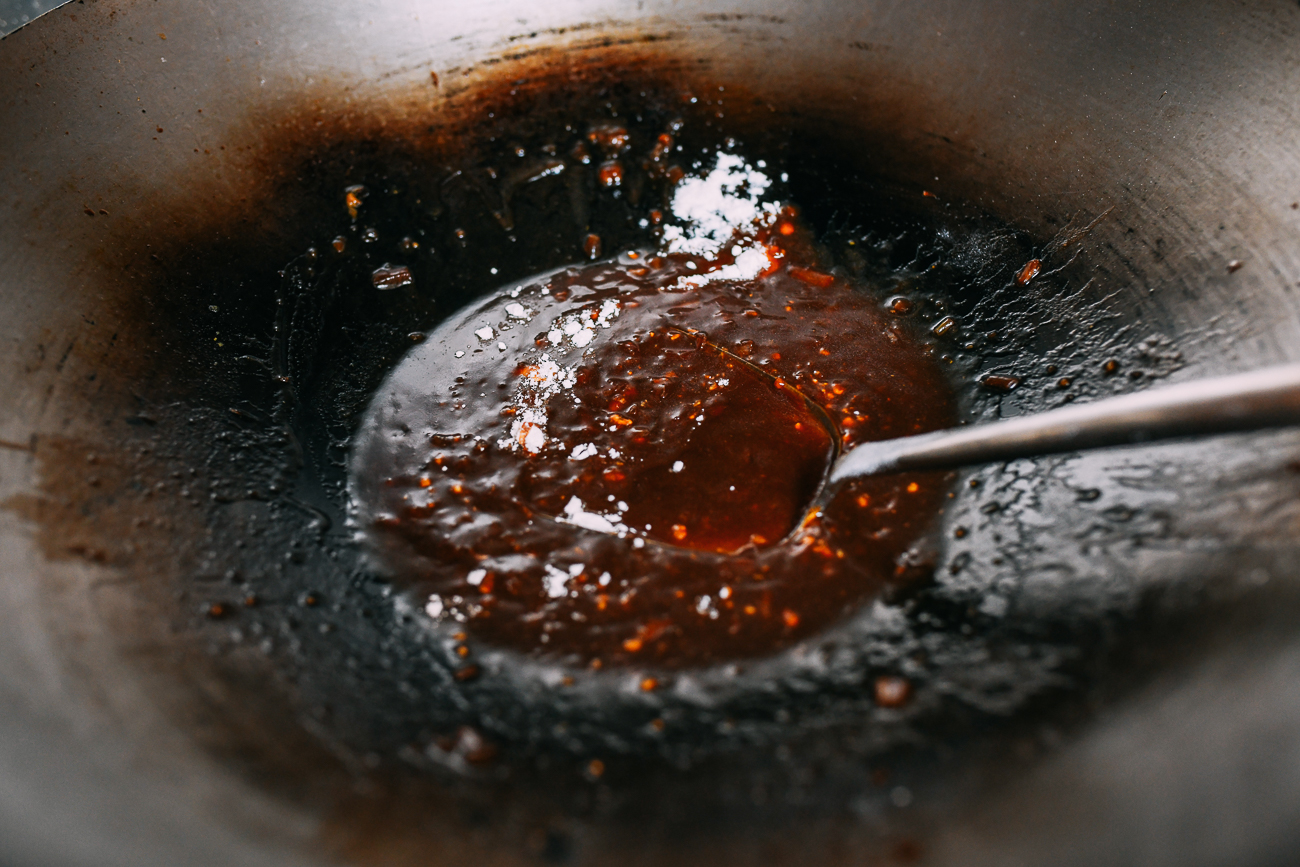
{"x": 583, "y": 466}
{"x": 713, "y": 455}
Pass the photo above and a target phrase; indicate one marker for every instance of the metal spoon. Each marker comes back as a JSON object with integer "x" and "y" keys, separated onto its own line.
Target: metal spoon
{"x": 1261, "y": 399}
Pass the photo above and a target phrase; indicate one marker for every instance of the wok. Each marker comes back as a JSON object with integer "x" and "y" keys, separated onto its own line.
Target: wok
{"x": 1103, "y": 658}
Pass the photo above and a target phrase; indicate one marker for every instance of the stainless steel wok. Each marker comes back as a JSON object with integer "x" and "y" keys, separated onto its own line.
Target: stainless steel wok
{"x": 1107, "y": 658}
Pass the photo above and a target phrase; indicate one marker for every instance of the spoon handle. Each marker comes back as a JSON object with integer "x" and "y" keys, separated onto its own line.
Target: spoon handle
{"x": 1241, "y": 402}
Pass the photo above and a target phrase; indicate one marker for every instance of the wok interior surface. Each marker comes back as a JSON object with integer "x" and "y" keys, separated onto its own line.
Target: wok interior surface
{"x": 197, "y": 667}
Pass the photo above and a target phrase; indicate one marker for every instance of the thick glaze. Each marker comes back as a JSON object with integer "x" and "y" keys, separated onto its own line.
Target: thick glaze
{"x": 579, "y": 467}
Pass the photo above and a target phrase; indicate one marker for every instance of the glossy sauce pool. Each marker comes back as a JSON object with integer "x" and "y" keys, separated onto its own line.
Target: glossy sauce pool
{"x": 582, "y": 467}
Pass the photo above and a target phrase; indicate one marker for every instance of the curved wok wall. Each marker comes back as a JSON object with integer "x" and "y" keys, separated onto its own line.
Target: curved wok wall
{"x": 123, "y": 121}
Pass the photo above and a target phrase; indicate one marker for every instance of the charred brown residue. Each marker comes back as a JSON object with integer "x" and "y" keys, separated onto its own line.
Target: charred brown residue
{"x": 135, "y": 504}
{"x": 99, "y": 503}
{"x": 273, "y": 176}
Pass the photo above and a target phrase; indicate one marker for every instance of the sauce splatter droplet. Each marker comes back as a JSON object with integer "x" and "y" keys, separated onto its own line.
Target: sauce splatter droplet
{"x": 892, "y": 691}
{"x": 999, "y": 382}
{"x": 1030, "y": 271}
{"x": 387, "y": 277}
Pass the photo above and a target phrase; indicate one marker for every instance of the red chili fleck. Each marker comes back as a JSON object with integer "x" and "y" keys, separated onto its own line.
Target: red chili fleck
{"x": 820, "y": 279}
